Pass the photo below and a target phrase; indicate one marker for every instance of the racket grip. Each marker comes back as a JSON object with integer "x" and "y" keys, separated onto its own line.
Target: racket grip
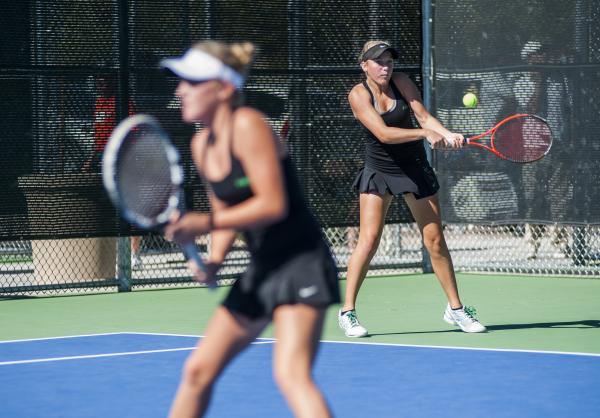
{"x": 466, "y": 140}
{"x": 192, "y": 254}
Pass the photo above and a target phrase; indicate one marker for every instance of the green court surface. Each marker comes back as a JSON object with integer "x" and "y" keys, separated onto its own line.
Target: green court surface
{"x": 525, "y": 313}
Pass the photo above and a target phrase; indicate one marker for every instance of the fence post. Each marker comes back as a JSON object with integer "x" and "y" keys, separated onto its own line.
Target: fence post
{"x": 124, "y": 264}
{"x": 427, "y": 75}
{"x": 122, "y": 104}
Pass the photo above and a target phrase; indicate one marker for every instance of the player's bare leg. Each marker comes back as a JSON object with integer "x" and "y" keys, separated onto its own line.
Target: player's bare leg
{"x": 297, "y": 329}
{"x": 373, "y": 209}
{"x": 426, "y": 212}
{"x": 226, "y": 335}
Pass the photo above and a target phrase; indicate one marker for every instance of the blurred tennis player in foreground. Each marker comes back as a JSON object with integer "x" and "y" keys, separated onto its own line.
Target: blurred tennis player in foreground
{"x": 396, "y": 164}
{"x": 292, "y": 277}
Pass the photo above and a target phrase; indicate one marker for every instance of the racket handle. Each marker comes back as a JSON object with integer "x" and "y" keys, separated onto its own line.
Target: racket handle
{"x": 192, "y": 254}
{"x": 466, "y": 140}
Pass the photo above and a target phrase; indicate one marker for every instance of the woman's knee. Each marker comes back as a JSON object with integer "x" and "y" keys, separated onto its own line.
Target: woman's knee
{"x": 369, "y": 241}
{"x": 289, "y": 377}
{"x": 198, "y": 374}
{"x": 435, "y": 243}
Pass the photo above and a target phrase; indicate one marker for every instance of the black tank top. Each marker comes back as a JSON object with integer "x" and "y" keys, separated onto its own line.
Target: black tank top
{"x": 389, "y": 158}
{"x": 299, "y": 230}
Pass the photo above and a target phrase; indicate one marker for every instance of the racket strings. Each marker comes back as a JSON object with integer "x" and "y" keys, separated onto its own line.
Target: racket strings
{"x": 144, "y": 176}
{"x": 523, "y": 139}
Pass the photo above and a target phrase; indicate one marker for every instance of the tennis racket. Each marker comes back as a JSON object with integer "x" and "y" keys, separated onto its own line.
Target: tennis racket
{"x": 143, "y": 176}
{"x": 519, "y": 138}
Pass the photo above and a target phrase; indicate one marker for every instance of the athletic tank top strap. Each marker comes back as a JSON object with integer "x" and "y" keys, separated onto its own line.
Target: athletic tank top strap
{"x": 364, "y": 83}
{"x": 395, "y": 91}
{"x": 398, "y": 115}
{"x": 388, "y": 158}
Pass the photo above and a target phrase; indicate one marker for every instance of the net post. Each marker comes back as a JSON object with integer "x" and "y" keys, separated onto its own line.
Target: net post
{"x": 427, "y": 76}
{"x": 124, "y": 264}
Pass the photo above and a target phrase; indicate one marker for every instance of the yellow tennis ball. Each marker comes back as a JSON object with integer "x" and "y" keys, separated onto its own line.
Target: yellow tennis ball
{"x": 470, "y": 100}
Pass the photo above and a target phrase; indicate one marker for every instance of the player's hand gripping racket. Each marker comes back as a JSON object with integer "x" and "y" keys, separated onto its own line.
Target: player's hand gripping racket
{"x": 519, "y": 138}
{"x": 143, "y": 176}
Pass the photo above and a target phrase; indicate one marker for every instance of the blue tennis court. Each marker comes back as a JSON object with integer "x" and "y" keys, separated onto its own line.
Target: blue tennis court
{"x": 136, "y": 375}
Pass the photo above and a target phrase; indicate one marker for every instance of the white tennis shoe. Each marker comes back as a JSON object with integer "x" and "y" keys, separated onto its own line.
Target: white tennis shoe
{"x": 349, "y": 324}
{"x": 463, "y": 318}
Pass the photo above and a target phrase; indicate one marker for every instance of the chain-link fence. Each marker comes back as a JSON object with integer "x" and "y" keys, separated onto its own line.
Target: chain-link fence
{"x": 66, "y": 79}
{"x": 538, "y": 57}
{"x": 96, "y": 264}
{"x": 92, "y": 265}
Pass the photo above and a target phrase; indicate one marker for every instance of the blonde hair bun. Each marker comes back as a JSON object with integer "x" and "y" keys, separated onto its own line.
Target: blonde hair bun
{"x": 243, "y": 52}
{"x": 238, "y": 56}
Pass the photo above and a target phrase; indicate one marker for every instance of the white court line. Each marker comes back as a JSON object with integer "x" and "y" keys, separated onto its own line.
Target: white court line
{"x": 130, "y": 353}
{"x": 188, "y": 335}
{"x": 65, "y": 336}
{"x": 444, "y": 347}
{"x": 113, "y": 333}
{"x": 127, "y": 353}
{"x": 271, "y": 340}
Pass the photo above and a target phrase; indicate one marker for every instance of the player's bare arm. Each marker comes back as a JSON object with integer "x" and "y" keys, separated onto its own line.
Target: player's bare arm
{"x": 426, "y": 120}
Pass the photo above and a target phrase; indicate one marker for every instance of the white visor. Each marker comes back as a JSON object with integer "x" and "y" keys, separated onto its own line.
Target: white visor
{"x": 196, "y": 65}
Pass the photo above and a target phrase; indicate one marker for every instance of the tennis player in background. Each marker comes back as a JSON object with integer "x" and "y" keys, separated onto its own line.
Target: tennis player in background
{"x": 253, "y": 188}
{"x": 396, "y": 164}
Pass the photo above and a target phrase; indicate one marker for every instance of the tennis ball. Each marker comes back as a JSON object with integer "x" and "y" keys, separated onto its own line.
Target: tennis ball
{"x": 470, "y": 100}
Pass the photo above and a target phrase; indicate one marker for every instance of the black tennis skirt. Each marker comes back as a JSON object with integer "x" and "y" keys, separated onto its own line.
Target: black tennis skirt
{"x": 307, "y": 277}
{"x": 419, "y": 179}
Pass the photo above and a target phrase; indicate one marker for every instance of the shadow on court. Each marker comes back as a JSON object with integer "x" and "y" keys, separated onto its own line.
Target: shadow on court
{"x": 411, "y": 332}
{"x": 583, "y": 324}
